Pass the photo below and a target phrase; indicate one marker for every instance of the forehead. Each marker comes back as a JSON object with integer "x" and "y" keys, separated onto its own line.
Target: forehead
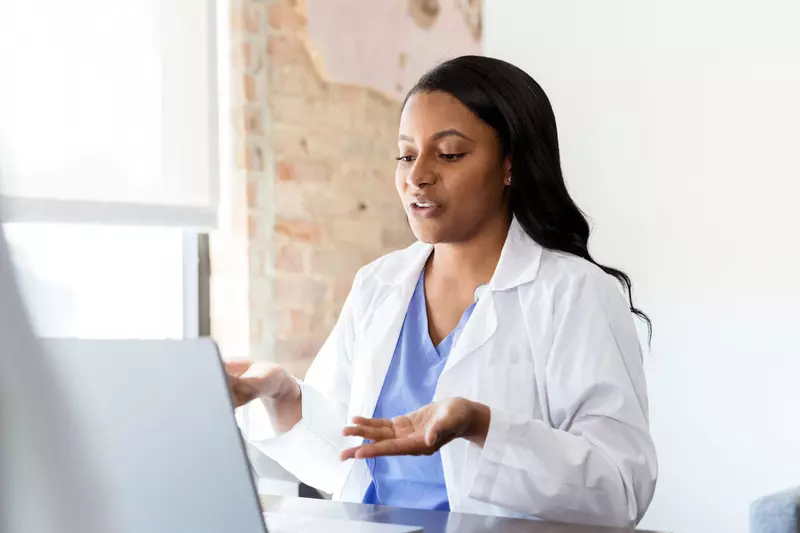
{"x": 428, "y": 113}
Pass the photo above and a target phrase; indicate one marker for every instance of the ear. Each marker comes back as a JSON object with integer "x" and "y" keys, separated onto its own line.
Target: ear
{"x": 507, "y": 170}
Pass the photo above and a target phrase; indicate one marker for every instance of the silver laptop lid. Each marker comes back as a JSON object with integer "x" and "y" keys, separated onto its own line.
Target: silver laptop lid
{"x": 158, "y": 421}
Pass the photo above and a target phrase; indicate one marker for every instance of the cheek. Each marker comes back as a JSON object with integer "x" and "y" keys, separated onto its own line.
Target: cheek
{"x": 480, "y": 189}
{"x": 400, "y": 180}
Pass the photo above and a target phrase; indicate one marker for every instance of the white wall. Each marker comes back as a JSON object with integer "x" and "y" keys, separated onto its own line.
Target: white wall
{"x": 680, "y": 132}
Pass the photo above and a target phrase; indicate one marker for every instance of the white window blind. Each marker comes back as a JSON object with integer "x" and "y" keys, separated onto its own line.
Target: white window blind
{"x": 108, "y": 111}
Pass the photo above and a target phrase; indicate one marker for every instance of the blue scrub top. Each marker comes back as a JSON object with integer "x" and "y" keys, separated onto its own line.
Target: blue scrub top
{"x": 410, "y": 383}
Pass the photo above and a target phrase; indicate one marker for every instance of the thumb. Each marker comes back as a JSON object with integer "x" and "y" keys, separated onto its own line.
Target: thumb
{"x": 431, "y": 436}
{"x": 438, "y": 434}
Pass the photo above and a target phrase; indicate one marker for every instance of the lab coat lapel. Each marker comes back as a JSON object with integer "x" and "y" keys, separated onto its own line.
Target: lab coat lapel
{"x": 382, "y": 329}
{"x": 480, "y": 328}
{"x": 518, "y": 264}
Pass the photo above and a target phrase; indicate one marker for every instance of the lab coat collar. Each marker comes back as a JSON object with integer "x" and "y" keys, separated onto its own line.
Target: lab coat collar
{"x": 519, "y": 262}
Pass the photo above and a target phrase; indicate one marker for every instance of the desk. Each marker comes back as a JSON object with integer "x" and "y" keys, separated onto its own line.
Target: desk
{"x": 431, "y": 521}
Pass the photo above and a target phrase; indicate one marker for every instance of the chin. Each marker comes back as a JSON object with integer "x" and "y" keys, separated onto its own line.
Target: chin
{"x": 426, "y": 237}
{"x": 427, "y": 234}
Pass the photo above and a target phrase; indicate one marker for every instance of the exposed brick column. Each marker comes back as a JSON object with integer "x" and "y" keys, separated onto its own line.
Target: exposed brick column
{"x": 238, "y": 258}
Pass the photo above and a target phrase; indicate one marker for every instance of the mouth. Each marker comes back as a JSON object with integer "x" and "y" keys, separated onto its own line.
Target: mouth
{"x": 424, "y": 209}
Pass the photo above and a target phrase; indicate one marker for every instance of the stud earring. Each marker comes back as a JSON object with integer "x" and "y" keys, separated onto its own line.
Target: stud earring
{"x": 508, "y": 180}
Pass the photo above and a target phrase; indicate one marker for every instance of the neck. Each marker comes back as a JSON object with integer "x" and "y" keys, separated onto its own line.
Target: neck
{"x": 472, "y": 261}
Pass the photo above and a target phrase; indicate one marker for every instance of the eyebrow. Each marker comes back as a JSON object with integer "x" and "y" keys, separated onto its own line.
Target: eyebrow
{"x": 439, "y": 135}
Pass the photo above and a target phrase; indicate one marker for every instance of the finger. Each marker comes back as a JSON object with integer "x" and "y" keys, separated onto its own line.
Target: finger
{"x": 368, "y": 451}
{"x": 372, "y": 422}
{"x": 393, "y": 447}
{"x": 237, "y": 368}
{"x": 240, "y": 400}
{"x": 234, "y": 386}
{"x": 369, "y": 433}
{"x": 349, "y": 453}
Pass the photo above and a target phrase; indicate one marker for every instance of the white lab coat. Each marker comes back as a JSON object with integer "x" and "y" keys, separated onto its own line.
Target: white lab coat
{"x": 551, "y": 348}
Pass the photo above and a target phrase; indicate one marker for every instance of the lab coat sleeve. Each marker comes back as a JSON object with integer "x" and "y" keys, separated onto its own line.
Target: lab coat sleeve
{"x": 593, "y": 461}
{"x": 310, "y": 450}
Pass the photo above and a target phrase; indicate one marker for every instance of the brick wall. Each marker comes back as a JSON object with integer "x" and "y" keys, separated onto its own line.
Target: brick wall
{"x": 311, "y": 196}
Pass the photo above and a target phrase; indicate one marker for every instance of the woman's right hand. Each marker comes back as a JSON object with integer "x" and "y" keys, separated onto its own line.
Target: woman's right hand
{"x": 248, "y": 380}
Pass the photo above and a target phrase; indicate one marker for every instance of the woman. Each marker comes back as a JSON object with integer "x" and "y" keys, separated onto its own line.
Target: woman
{"x": 492, "y": 367}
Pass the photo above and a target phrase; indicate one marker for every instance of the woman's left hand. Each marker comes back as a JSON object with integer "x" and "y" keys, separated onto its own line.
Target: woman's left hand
{"x": 422, "y": 432}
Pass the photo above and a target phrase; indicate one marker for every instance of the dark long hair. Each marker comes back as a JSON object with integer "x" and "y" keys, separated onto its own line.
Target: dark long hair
{"x": 517, "y": 108}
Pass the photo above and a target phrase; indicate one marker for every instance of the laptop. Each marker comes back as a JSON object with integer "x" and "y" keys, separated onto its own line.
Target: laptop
{"x": 159, "y": 423}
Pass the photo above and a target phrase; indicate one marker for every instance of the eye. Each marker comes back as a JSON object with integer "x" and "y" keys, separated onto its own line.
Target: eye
{"x": 452, "y": 157}
{"x": 405, "y": 158}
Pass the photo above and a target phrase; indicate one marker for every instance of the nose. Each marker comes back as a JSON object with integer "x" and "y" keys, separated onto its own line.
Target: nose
{"x": 421, "y": 174}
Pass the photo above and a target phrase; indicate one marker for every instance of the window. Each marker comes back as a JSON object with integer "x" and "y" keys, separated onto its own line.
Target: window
{"x": 108, "y": 282}
{"x": 108, "y": 154}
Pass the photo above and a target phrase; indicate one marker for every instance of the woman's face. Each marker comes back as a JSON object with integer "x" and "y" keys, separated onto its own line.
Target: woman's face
{"x": 451, "y": 175}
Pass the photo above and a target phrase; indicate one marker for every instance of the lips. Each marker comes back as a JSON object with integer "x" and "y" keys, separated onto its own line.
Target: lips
{"x": 424, "y": 208}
